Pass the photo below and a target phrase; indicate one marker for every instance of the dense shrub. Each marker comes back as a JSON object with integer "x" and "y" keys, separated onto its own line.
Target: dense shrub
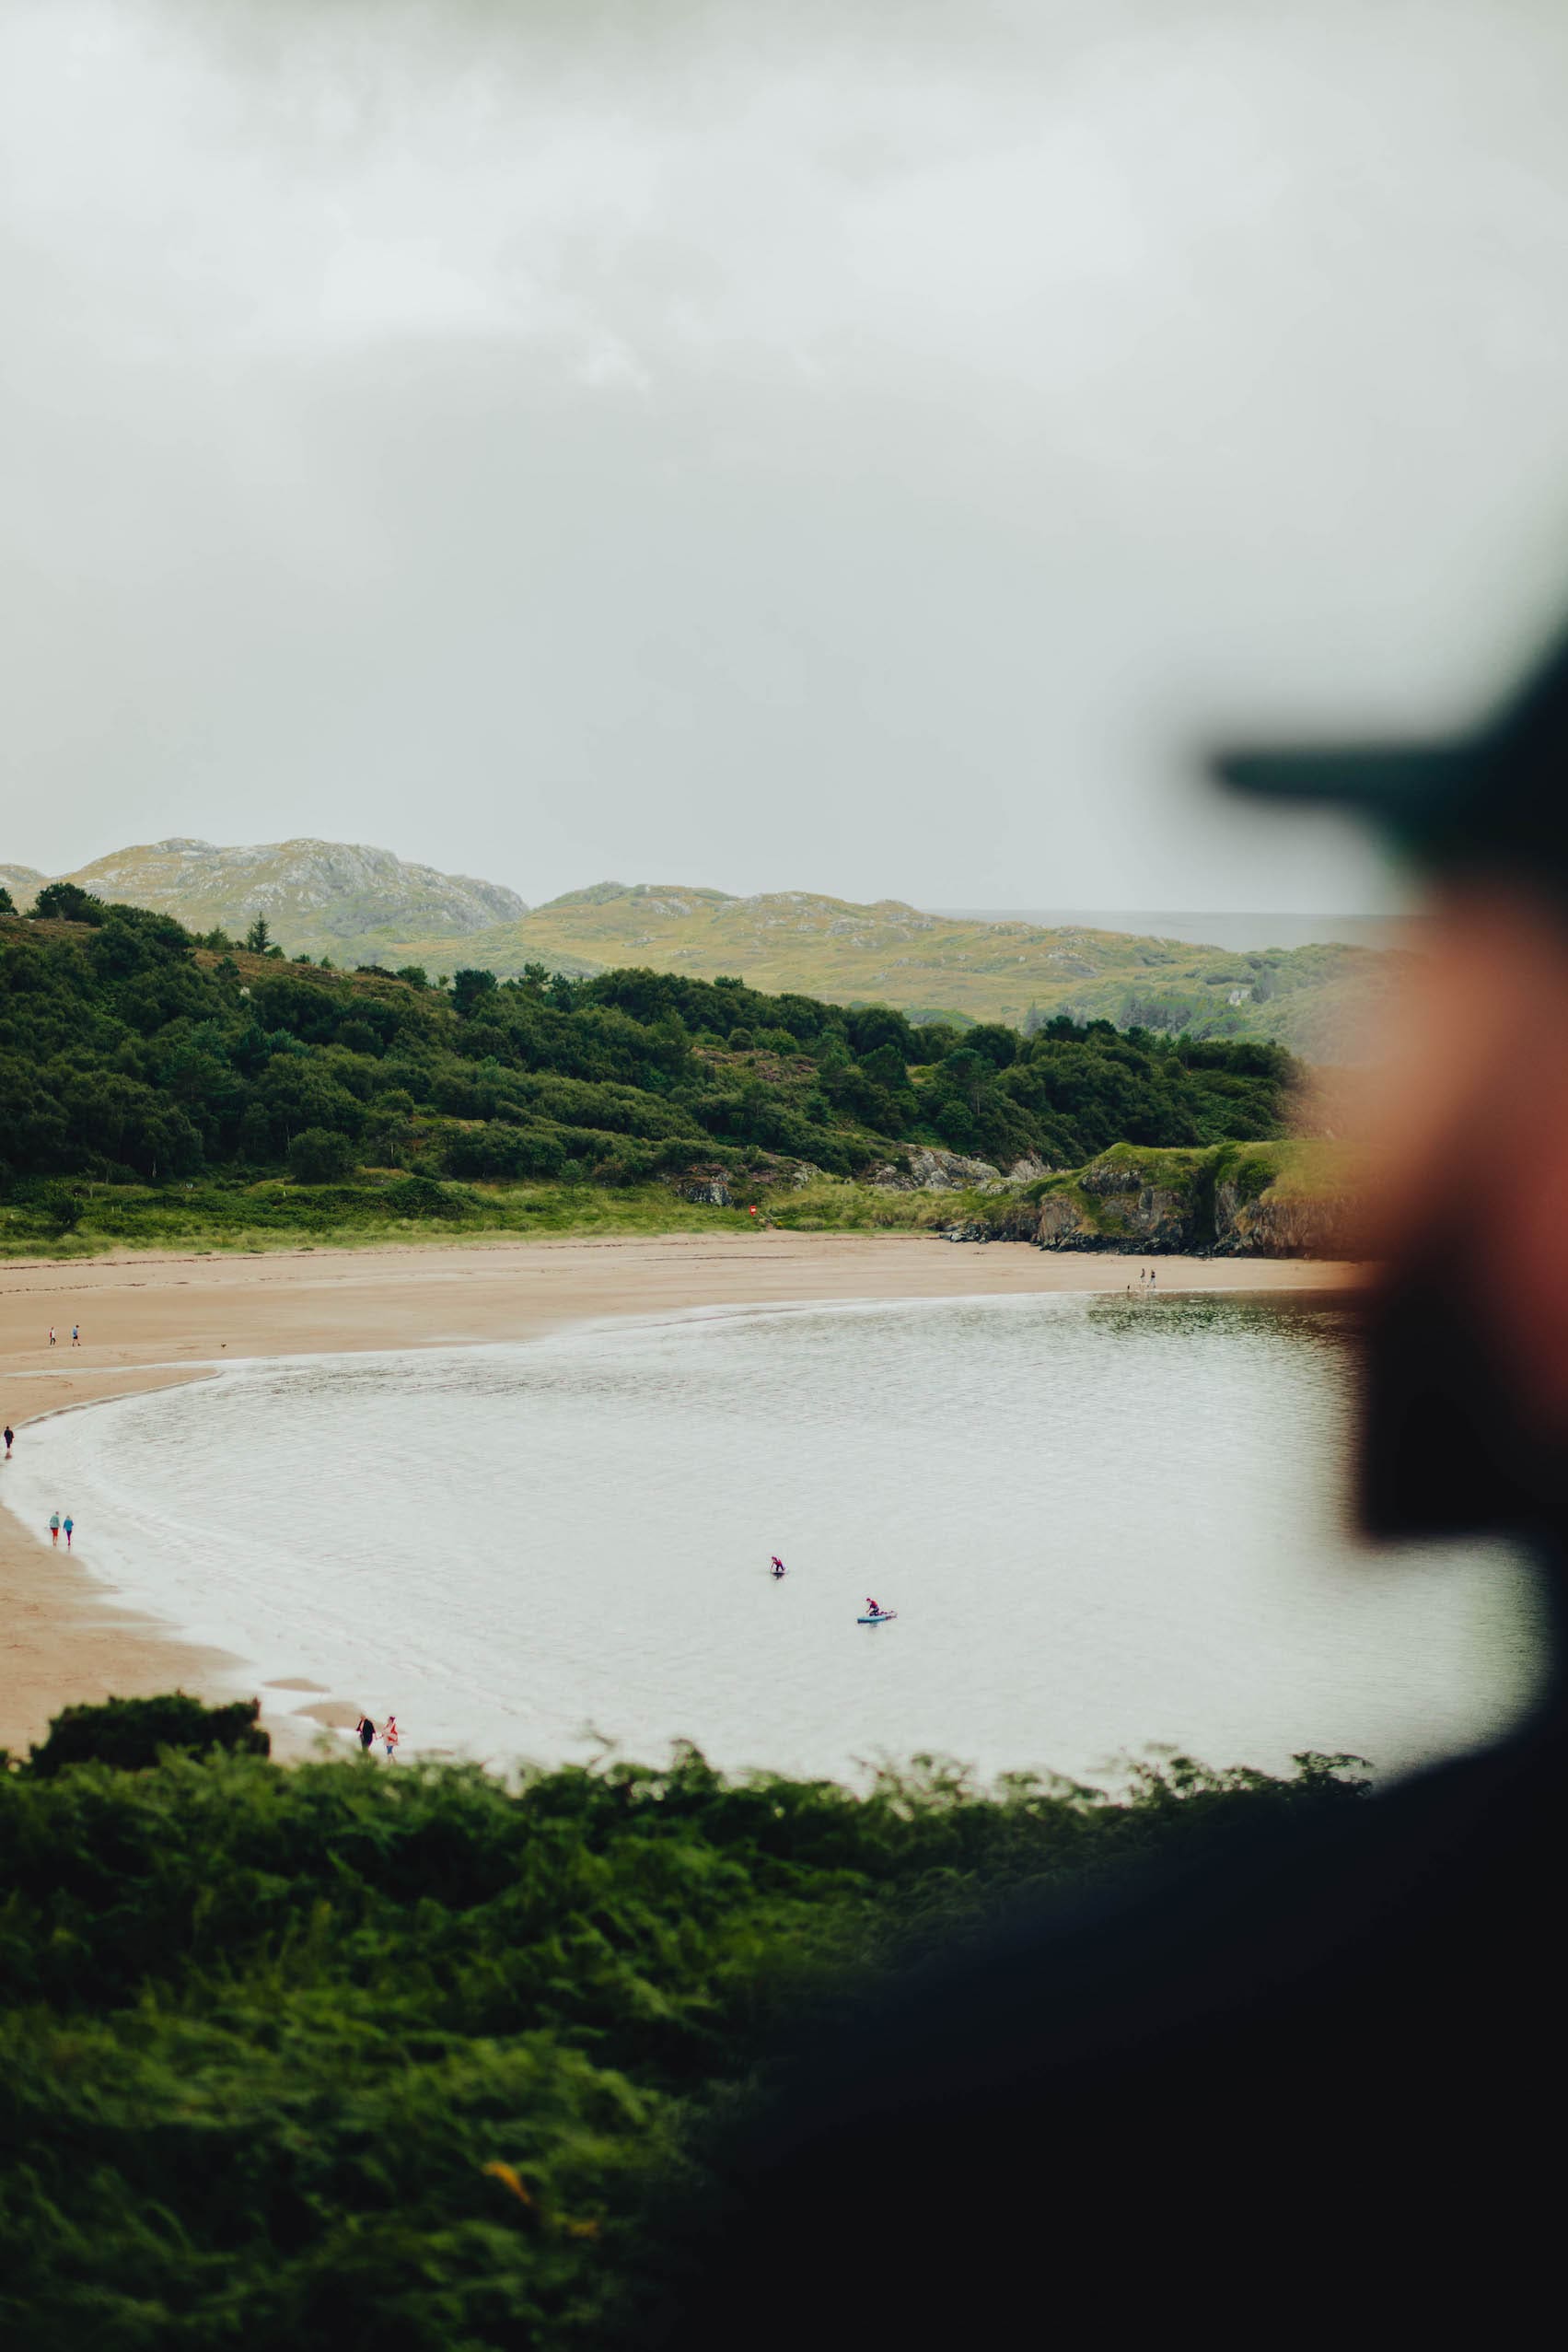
{"x": 129, "y": 1733}
{"x": 66, "y": 902}
{"x": 422, "y": 1196}
{"x": 350, "y": 2056}
{"x": 319, "y": 1157}
{"x": 501, "y": 1151}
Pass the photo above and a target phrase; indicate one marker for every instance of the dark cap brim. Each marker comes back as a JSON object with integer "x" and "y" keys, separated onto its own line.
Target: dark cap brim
{"x": 1493, "y": 793}
{"x": 1404, "y": 786}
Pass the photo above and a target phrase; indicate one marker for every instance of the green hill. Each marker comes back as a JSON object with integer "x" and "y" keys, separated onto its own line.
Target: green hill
{"x": 1320, "y": 1001}
{"x": 360, "y": 904}
{"x": 320, "y": 898}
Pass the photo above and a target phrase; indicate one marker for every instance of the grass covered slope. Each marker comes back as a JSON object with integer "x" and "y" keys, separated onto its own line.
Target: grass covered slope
{"x": 1320, "y": 1001}
{"x": 344, "y": 2055}
{"x": 133, "y": 1055}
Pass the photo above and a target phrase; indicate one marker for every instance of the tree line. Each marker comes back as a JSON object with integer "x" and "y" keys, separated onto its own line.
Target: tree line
{"x": 131, "y": 1049}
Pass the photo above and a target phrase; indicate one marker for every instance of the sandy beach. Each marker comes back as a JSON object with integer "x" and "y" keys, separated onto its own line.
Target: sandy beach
{"x": 150, "y": 1320}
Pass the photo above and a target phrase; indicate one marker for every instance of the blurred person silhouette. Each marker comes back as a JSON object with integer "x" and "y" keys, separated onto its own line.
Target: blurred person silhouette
{"x": 1308, "y": 2086}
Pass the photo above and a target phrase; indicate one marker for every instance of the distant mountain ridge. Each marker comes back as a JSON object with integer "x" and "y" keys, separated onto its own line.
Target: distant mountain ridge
{"x": 1321, "y": 1001}
{"x": 360, "y": 904}
{"x": 341, "y": 899}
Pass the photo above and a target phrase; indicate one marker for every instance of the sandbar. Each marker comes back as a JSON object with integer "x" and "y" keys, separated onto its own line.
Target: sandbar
{"x": 148, "y": 1321}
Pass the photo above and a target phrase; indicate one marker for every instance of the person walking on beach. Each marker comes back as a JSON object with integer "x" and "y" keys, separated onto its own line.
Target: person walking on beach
{"x": 10, "y": 1435}
{"x": 76, "y": 1335}
{"x": 67, "y": 1523}
{"x": 390, "y": 1735}
{"x": 54, "y": 1529}
{"x": 366, "y": 1730}
{"x": 51, "y": 1334}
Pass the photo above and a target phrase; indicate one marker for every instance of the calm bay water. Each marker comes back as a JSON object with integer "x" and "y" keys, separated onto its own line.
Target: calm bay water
{"x": 1104, "y": 1523}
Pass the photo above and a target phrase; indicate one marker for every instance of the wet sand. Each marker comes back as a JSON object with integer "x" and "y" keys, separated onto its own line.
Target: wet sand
{"x": 146, "y": 1321}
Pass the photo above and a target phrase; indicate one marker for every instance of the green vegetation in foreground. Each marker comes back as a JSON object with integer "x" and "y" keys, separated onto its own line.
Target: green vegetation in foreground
{"x": 134, "y": 1058}
{"x": 348, "y": 2055}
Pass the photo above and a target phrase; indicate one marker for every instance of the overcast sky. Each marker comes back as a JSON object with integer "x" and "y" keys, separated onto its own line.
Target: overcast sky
{"x": 858, "y": 446}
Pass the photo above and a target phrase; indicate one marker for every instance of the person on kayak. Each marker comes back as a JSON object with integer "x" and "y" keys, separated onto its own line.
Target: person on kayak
{"x": 777, "y": 1565}
{"x": 872, "y": 1608}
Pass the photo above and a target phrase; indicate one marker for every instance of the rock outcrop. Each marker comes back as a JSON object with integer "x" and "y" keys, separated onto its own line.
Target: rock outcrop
{"x": 1122, "y": 1205}
{"x": 925, "y": 1169}
{"x": 710, "y": 1184}
{"x": 722, "y": 1187}
{"x": 1290, "y": 1199}
{"x": 1286, "y": 1225}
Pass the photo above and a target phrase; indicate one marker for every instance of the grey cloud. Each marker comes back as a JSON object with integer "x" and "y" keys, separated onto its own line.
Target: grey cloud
{"x": 854, "y": 447}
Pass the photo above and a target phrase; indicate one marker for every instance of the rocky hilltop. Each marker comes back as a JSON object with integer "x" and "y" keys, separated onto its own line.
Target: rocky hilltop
{"x": 341, "y": 899}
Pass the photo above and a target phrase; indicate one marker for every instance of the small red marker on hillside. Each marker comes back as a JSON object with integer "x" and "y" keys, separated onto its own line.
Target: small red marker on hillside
{"x": 751, "y": 1212}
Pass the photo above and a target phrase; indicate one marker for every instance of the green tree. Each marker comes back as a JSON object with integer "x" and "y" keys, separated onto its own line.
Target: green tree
{"x": 871, "y": 1026}
{"x": 998, "y": 1043}
{"x": 256, "y": 1132}
{"x": 67, "y": 902}
{"x": 63, "y": 1208}
{"x": 885, "y": 1066}
{"x": 7, "y": 903}
{"x": 320, "y": 1157}
{"x": 259, "y": 938}
{"x": 469, "y": 987}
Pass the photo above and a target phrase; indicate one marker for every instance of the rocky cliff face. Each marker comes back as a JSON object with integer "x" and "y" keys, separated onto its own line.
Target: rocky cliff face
{"x": 1295, "y": 1199}
{"x": 1113, "y": 1208}
{"x": 1284, "y": 1224}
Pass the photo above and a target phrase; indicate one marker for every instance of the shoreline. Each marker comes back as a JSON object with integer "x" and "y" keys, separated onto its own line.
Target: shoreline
{"x": 155, "y": 1321}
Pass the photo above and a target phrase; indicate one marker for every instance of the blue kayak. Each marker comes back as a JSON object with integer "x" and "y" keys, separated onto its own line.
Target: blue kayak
{"x": 883, "y": 1617}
